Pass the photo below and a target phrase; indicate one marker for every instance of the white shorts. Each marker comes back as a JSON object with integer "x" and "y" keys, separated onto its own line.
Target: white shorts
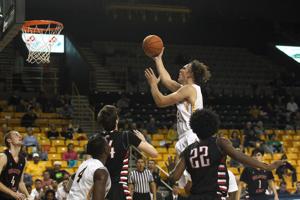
{"x": 185, "y": 141}
{"x": 232, "y": 187}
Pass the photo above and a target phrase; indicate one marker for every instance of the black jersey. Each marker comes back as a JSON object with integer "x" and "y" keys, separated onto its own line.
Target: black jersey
{"x": 207, "y": 167}
{"x": 256, "y": 180}
{"x": 119, "y": 143}
{"x": 12, "y": 172}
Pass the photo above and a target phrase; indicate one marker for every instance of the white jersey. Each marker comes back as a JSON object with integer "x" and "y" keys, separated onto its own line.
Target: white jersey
{"x": 184, "y": 112}
{"x": 84, "y": 180}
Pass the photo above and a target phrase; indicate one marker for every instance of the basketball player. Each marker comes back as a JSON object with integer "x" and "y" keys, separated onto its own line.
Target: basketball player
{"x": 257, "y": 180}
{"x": 92, "y": 180}
{"x": 120, "y": 142}
{"x": 12, "y": 164}
{"x": 186, "y": 94}
{"x": 205, "y": 160}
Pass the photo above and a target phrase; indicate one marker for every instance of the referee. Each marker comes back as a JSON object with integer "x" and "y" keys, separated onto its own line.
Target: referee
{"x": 140, "y": 181}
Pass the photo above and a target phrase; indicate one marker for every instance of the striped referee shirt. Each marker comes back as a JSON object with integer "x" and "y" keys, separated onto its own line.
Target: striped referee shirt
{"x": 141, "y": 180}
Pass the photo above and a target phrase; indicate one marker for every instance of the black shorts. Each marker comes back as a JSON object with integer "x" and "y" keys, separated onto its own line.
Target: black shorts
{"x": 141, "y": 196}
{"x": 116, "y": 192}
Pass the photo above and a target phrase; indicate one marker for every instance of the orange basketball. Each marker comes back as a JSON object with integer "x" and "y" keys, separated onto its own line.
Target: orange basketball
{"x": 152, "y": 45}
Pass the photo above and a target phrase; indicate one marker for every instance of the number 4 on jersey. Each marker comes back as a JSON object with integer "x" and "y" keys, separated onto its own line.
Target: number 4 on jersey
{"x": 80, "y": 174}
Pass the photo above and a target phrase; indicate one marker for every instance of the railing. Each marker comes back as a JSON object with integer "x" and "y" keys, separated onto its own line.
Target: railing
{"x": 131, "y": 157}
{"x": 82, "y": 107}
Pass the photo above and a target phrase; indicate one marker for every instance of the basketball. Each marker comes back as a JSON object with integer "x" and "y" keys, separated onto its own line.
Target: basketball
{"x": 152, "y": 45}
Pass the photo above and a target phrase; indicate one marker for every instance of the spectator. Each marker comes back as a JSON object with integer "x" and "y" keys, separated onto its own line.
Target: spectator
{"x": 67, "y": 132}
{"x": 235, "y": 139}
{"x": 274, "y": 144}
{"x": 30, "y": 140}
{"x": 292, "y": 106}
{"x": 284, "y": 170}
{"x": 37, "y": 192}
{"x": 151, "y": 126}
{"x": 283, "y": 189}
{"x": 260, "y": 127}
{"x": 35, "y": 168}
{"x": 50, "y": 195}
{"x": 52, "y": 133}
{"x": 67, "y": 111}
{"x": 57, "y": 174}
{"x": 297, "y": 192}
{"x": 70, "y": 156}
{"x": 47, "y": 181}
{"x": 28, "y": 118}
{"x": 255, "y": 112}
{"x": 62, "y": 191}
{"x": 43, "y": 154}
{"x": 27, "y": 179}
{"x": 250, "y": 136}
{"x": 123, "y": 102}
{"x": 172, "y": 134}
{"x": 28, "y": 187}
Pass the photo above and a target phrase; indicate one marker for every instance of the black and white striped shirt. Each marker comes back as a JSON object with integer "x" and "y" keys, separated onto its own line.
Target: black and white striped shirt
{"x": 141, "y": 180}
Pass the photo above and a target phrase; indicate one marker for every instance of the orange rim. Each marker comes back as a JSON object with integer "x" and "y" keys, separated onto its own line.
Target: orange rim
{"x": 31, "y": 26}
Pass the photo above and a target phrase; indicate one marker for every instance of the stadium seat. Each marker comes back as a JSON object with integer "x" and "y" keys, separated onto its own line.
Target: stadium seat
{"x": 52, "y": 150}
{"x": 48, "y": 163}
{"x": 156, "y": 143}
{"x": 75, "y": 142}
{"x": 44, "y": 142}
{"x": 54, "y": 156}
{"x": 82, "y": 143}
{"x": 78, "y": 149}
{"x": 58, "y": 143}
{"x": 172, "y": 151}
{"x": 279, "y": 132}
{"x": 267, "y": 156}
{"x": 234, "y": 170}
{"x": 161, "y": 150}
{"x": 2, "y": 148}
{"x": 158, "y": 137}
{"x": 292, "y": 156}
{"x": 287, "y": 137}
{"x": 61, "y": 149}
{"x": 296, "y": 138}
{"x": 158, "y": 158}
{"x": 277, "y": 156}
{"x": 289, "y": 132}
{"x": 293, "y": 150}
{"x": 20, "y": 129}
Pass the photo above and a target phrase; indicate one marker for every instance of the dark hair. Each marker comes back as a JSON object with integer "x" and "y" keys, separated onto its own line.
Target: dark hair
{"x": 200, "y": 72}
{"x": 256, "y": 151}
{"x": 204, "y": 123}
{"x": 50, "y": 191}
{"x": 107, "y": 117}
{"x": 96, "y": 146}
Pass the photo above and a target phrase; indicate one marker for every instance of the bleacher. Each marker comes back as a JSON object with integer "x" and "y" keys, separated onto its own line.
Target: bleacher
{"x": 56, "y": 147}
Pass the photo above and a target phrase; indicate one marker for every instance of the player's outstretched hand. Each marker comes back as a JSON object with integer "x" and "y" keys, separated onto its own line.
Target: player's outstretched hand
{"x": 151, "y": 77}
{"x": 160, "y": 55}
{"x": 171, "y": 163}
{"x": 276, "y": 164}
{"x": 139, "y": 135}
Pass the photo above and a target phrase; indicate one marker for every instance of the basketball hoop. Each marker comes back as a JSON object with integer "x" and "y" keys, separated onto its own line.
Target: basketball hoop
{"x": 39, "y": 37}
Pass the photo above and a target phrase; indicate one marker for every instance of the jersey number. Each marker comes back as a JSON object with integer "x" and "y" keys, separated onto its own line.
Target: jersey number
{"x": 112, "y": 149}
{"x": 13, "y": 181}
{"x": 80, "y": 174}
{"x": 199, "y": 157}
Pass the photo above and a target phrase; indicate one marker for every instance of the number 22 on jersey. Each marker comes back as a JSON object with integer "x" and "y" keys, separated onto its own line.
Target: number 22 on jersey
{"x": 199, "y": 157}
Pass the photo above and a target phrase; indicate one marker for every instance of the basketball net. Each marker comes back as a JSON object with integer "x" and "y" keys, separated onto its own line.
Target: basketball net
{"x": 39, "y": 37}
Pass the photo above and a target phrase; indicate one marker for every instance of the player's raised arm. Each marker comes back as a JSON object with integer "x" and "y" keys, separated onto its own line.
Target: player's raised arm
{"x": 164, "y": 74}
{"x": 161, "y": 100}
{"x": 227, "y": 147}
{"x": 100, "y": 179}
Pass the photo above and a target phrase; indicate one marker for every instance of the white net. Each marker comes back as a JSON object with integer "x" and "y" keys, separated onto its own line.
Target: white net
{"x": 39, "y": 37}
